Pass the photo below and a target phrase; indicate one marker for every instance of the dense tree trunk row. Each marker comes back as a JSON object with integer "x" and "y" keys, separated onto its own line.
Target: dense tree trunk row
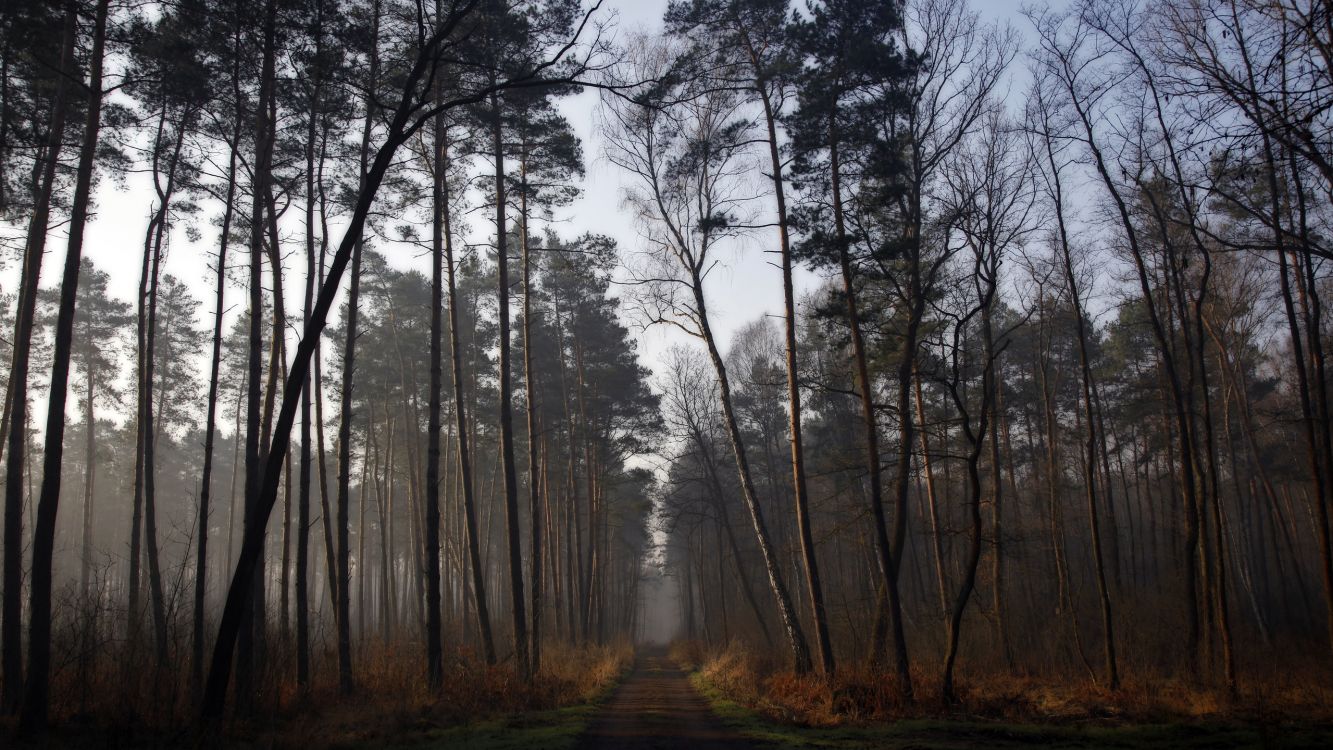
{"x": 1045, "y": 377}
{"x": 1068, "y": 421}
{"x": 430, "y": 566}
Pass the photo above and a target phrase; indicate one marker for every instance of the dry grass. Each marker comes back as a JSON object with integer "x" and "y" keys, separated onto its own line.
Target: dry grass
{"x": 858, "y": 695}
{"x": 392, "y": 703}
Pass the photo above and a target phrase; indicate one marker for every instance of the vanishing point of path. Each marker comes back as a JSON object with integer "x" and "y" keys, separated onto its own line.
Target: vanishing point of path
{"x": 656, "y": 708}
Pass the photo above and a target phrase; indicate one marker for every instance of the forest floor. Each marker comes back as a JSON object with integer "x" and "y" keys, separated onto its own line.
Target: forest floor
{"x": 653, "y": 706}
{"x": 596, "y": 701}
{"x": 478, "y": 707}
{"x": 662, "y": 704}
{"x": 764, "y": 712}
{"x": 965, "y": 733}
{"x": 763, "y": 731}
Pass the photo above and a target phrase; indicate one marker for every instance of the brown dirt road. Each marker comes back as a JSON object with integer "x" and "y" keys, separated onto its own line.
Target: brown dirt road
{"x": 656, "y": 708}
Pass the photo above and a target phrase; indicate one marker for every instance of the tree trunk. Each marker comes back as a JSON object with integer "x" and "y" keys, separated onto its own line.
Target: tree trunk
{"x": 434, "y": 648}
{"x": 936, "y": 531}
{"x": 976, "y": 442}
{"x": 530, "y": 395}
{"x": 345, "y": 680}
{"x": 461, "y": 424}
{"x": 802, "y": 494}
{"x": 89, "y": 482}
{"x": 719, "y": 497}
{"x": 37, "y": 691}
{"x": 277, "y": 374}
{"x": 399, "y": 128}
{"x": 521, "y": 658}
{"x": 147, "y": 432}
{"x": 883, "y": 549}
{"x": 250, "y": 618}
{"x": 1176, "y": 390}
{"x": 11, "y": 641}
{"x": 1090, "y": 448}
{"x": 326, "y": 514}
{"x": 306, "y": 461}
{"x": 795, "y": 635}
{"x": 210, "y": 427}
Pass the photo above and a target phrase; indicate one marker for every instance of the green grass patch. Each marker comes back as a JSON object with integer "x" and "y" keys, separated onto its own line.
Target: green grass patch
{"x": 556, "y": 729}
{"x": 936, "y": 734}
{"x": 552, "y": 729}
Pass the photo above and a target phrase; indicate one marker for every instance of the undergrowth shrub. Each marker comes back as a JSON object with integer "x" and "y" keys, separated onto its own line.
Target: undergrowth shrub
{"x": 393, "y": 700}
{"x": 124, "y": 698}
{"x": 859, "y": 694}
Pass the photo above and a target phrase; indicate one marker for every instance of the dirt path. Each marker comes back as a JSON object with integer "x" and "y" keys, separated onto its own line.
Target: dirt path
{"x": 657, "y": 708}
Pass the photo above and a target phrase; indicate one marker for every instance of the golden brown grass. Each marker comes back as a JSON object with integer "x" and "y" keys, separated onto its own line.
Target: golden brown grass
{"x": 859, "y": 695}
{"x": 391, "y": 704}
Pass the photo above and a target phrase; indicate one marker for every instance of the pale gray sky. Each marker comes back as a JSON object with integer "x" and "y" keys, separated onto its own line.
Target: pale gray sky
{"x": 748, "y": 287}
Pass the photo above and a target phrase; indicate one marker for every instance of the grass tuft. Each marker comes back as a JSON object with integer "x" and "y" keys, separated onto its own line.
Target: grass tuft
{"x": 863, "y": 708}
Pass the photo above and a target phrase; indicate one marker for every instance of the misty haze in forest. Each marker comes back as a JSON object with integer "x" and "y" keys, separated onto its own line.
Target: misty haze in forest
{"x": 484, "y": 371}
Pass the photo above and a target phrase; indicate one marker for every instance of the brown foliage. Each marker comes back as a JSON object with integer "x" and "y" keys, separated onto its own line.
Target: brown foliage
{"x": 140, "y": 706}
{"x": 858, "y": 694}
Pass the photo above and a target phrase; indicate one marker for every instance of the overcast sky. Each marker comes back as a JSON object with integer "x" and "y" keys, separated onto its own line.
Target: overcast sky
{"x": 745, "y": 289}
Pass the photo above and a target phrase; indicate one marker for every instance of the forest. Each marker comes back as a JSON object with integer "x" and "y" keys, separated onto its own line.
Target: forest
{"x": 932, "y": 361}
